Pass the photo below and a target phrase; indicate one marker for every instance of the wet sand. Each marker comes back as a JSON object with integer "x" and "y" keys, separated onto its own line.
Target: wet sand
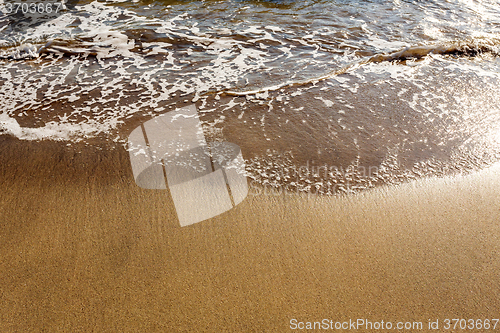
{"x": 82, "y": 249}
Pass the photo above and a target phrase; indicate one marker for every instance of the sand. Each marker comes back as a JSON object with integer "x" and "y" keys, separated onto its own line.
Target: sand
{"x": 83, "y": 249}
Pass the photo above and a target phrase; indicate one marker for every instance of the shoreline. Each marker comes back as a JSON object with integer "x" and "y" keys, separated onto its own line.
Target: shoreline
{"x": 83, "y": 248}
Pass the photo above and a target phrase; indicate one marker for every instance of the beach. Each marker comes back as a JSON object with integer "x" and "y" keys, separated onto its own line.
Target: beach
{"x": 84, "y": 249}
{"x": 250, "y": 166}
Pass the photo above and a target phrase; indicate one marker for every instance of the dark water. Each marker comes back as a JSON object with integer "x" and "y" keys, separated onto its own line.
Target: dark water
{"x": 325, "y": 96}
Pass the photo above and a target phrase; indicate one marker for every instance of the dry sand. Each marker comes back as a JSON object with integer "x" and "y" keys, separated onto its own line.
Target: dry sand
{"x": 83, "y": 249}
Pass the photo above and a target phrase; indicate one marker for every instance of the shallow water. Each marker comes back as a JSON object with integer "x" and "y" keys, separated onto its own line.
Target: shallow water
{"x": 321, "y": 96}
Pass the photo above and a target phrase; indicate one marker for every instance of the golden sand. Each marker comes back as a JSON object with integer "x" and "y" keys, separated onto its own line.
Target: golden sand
{"x": 82, "y": 249}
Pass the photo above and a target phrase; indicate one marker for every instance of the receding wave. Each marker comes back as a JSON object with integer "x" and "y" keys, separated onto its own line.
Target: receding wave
{"x": 254, "y": 71}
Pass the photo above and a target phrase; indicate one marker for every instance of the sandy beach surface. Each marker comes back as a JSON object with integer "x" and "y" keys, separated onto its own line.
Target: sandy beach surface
{"x": 83, "y": 249}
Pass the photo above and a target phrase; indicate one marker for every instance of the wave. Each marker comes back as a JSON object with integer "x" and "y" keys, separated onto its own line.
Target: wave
{"x": 462, "y": 48}
{"x": 471, "y": 48}
{"x": 29, "y": 51}
{"x": 467, "y": 48}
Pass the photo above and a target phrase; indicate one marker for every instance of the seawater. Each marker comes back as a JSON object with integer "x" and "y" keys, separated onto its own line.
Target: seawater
{"x": 373, "y": 92}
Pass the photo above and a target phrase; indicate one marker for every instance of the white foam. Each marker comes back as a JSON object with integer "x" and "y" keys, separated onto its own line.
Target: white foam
{"x": 218, "y": 59}
{"x": 327, "y": 102}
